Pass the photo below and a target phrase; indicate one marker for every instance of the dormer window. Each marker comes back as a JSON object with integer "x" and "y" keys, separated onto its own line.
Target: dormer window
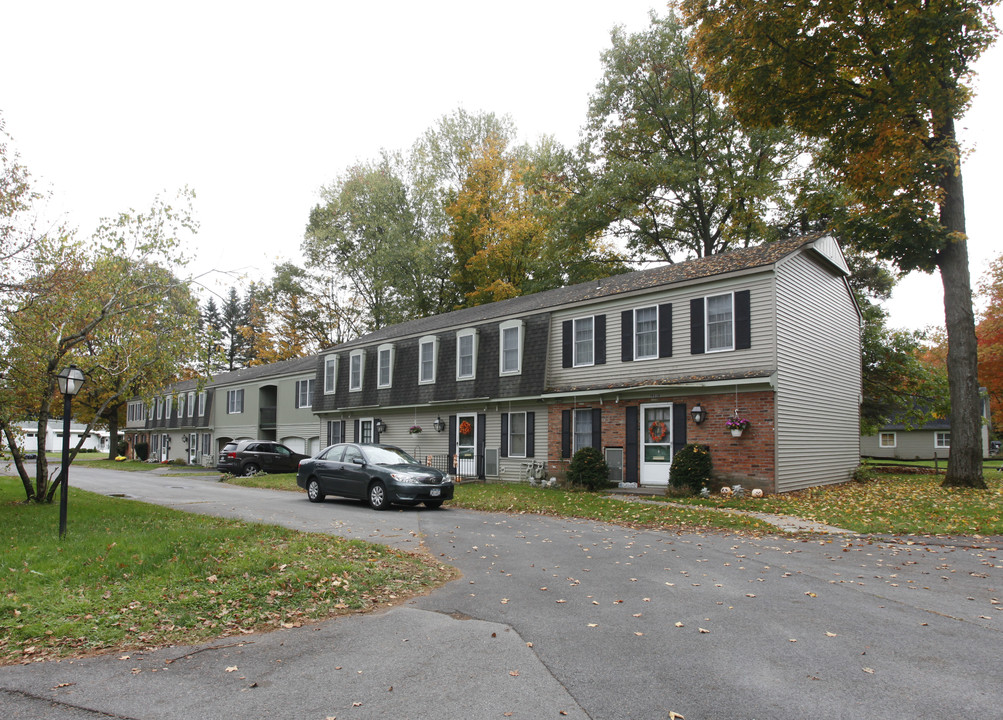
{"x": 466, "y": 354}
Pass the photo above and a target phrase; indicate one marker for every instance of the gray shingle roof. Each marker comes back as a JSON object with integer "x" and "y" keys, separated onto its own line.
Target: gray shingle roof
{"x": 732, "y": 261}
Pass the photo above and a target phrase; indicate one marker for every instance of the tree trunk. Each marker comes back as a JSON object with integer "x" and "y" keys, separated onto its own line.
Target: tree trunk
{"x": 964, "y": 467}
{"x": 112, "y": 419}
{"x": 15, "y": 452}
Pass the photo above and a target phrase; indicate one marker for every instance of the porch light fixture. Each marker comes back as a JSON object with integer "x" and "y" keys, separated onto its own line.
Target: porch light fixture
{"x": 438, "y": 425}
{"x": 70, "y": 380}
{"x": 698, "y": 413}
{"x": 380, "y": 425}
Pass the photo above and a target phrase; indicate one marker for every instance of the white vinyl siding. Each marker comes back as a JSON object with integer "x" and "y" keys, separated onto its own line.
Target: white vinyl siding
{"x": 818, "y": 369}
{"x": 646, "y": 333}
{"x": 584, "y": 339}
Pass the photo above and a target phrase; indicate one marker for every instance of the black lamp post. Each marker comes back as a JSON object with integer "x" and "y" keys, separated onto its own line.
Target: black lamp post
{"x": 70, "y": 379}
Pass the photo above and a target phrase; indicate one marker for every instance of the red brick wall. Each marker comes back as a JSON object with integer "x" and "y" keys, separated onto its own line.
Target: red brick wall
{"x": 749, "y": 460}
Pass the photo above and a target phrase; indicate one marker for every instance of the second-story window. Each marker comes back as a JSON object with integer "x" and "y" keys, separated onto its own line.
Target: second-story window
{"x": 510, "y": 360}
{"x": 330, "y": 374}
{"x": 466, "y": 354}
{"x": 720, "y": 325}
{"x": 355, "y": 371}
{"x": 202, "y": 398}
{"x": 646, "y": 333}
{"x": 191, "y": 404}
{"x": 168, "y": 406}
{"x": 385, "y": 366}
{"x": 428, "y": 351}
{"x": 584, "y": 346}
{"x": 304, "y": 393}
{"x": 235, "y": 401}
{"x": 181, "y": 406}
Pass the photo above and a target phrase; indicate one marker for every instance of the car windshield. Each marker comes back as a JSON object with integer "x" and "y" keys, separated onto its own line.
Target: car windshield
{"x": 389, "y": 456}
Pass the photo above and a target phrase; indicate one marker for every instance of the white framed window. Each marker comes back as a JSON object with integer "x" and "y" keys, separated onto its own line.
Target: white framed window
{"x": 942, "y": 440}
{"x": 330, "y": 374}
{"x": 304, "y": 393}
{"x": 168, "y": 406}
{"x": 191, "y": 404}
{"x": 646, "y": 333}
{"x": 201, "y": 407}
{"x": 720, "y": 322}
{"x": 512, "y": 334}
{"x": 356, "y": 362}
{"x": 584, "y": 329}
{"x": 151, "y": 409}
{"x": 234, "y": 401}
{"x": 365, "y": 431}
{"x": 428, "y": 355}
{"x": 134, "y": 411}
{"x": 517, "y": 434}
{"x": 181, "y": 405}
{"x": 886, "y": 440}
{"x": 582, "y": 429}
{"x": 159, "y": 404}
{"x": 385, "y": 366}
{"x": 466, "y": 354}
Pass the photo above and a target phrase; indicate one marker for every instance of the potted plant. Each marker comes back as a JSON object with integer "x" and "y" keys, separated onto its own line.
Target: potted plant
{"x": 737, "y": 425}
{"x": 414, "y": 429}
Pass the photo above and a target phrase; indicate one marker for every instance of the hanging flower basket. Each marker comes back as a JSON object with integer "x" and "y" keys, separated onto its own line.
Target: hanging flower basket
{"x": 414, "y": 429}
{"x": 737, "y": 425}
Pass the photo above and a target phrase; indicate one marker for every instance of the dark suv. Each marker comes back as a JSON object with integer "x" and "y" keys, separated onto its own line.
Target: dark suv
{"x": 248, "y": 457}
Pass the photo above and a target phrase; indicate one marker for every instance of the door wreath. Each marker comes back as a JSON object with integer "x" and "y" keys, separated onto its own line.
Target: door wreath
{"x": 657, "y": 431}
{"x": 466, "y": 428}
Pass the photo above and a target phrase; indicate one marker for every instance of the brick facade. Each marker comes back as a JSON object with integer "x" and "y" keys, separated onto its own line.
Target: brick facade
{"x": 749, "y": 460}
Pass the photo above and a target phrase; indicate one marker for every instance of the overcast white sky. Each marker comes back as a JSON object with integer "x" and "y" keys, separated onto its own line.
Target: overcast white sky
{"x": 256, "y": 105}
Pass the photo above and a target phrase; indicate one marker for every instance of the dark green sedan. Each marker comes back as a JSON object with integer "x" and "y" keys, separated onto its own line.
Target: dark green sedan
{"x": 381, "y": 475}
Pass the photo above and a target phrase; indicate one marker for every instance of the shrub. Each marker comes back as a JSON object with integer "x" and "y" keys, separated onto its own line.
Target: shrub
{"x": 121, "y": 447}
{"x": 142, "y": 450}
{"x": 690, "y": 468}
{"x": 588, "y": 468}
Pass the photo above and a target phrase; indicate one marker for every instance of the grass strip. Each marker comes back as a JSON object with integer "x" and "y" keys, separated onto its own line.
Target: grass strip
{"x": 133, "y": 575}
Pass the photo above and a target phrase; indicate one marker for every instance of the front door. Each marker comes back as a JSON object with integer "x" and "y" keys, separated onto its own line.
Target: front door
{"x": 193, "y": 448}
{"x": 466, "y": 445}
{"x": 165, "y": 449}
{"x": 656, "y": 444}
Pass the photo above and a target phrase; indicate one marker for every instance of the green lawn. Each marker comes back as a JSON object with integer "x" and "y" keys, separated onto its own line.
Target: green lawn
{"x": 132, "y": 575}
{"x": 895, "y": 504}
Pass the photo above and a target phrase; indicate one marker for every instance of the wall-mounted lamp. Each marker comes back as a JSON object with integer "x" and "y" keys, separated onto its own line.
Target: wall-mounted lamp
{"x": 438, "y": 425}
{"x": 380, "y": 425}
{"x": 698, "y": 413}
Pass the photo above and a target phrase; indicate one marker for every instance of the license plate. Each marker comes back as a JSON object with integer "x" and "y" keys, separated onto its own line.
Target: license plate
{"x": 434, "y": 492}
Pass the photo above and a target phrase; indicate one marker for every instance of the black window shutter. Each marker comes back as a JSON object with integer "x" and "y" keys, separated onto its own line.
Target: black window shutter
{"x": 482, "y": 441}
{"x": 341, "y": 437}
{"x": 357, "y": 436}
{"x": 452, "y": 442}
{"x": 376, "y": 431}
{"x": 627, "y": 336}
{"x": 665, "y": 330}
{"x": 600, "y": 339}
{"x": 696, "y": 326}
{"x": 565, "y": 433}
{"x": 504, "y": 435}
{"x": 567, "y": 343}
{"x": 743, "y": 320}
{"x": 530, "y": 434}
{"x": 630, "y": 455}
{"x": 678, "y": 427}
{"x": 597, "y": 428}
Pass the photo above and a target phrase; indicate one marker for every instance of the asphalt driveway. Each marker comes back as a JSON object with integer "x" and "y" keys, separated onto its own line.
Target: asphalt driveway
{"x": 567, "y": 618}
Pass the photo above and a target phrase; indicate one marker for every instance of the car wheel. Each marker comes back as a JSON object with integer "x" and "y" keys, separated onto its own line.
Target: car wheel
{"x": 251, "y": 469}
{"x": 433, "y": 504}
{"x": 378, "y": 496}
{"x": 313, "y": 491}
